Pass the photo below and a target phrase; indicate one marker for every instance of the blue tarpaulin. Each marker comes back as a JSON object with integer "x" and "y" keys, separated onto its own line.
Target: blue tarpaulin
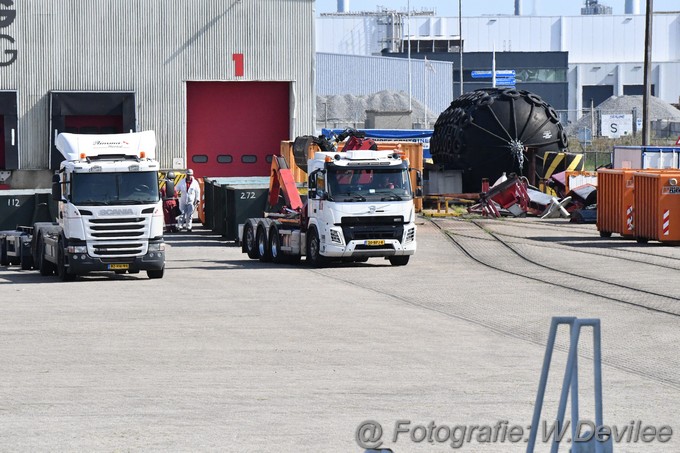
{"x": 413, "y": 135}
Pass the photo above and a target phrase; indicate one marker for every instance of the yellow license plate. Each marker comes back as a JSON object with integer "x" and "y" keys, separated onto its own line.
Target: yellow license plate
{"x": 118, "y": 266}
{"x": 375, "y": 242}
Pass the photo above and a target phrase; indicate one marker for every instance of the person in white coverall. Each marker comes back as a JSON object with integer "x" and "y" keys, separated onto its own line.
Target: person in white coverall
{"x": 190, "y": 196}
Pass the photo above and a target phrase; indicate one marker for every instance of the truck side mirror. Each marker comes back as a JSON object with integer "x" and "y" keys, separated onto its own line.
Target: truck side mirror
{"x": 419, "y": 176}
{"x": 419, "y": 192}
{"x": 312, "y": 180}
{"x": 56, "y": 188}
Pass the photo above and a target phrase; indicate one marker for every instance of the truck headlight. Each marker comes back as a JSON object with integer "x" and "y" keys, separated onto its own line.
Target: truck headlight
{"x": 77, "y": 249}
{"x": 335, "y": 237}
{"x": 157, "y": 246}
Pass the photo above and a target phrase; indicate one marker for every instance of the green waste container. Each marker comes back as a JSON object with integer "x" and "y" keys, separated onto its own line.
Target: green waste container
{"x": 25, "y": 207}
{"x": 217, "y": 211}
{"x": 243, "y": 202}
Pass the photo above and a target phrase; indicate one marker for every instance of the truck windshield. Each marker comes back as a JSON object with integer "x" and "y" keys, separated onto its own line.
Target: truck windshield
{"x": 114, "y": 188}
{"x": 368, "y": 184}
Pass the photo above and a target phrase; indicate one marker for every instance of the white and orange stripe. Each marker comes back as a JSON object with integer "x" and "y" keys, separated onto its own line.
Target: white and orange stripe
{"x": 666, "y": 222}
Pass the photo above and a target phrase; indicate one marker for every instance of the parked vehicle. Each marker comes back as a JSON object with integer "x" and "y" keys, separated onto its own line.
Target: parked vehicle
{"x": 359, "y": 206}
{"x": 110, "y": 215}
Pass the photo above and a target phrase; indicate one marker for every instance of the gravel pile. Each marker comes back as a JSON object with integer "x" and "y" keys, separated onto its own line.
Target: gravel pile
{"x": 658, "y": 110}
{"x": 351, "y": 108}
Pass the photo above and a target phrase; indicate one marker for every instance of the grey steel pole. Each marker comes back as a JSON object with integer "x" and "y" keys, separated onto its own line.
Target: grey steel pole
{"x": 646, "y": 133}
{"x": 460, "y": 42}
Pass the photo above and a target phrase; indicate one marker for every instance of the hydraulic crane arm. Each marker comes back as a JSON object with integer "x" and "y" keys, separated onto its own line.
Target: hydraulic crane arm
{"x": 282, "y": 182}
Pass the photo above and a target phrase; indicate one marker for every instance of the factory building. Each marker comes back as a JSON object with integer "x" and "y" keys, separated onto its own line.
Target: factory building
{"x": 571, "y": 61}
{"x": 221, "y": 82}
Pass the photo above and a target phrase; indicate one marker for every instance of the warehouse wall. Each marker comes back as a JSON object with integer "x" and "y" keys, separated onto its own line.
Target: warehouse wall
{"x": 152, "y": 48}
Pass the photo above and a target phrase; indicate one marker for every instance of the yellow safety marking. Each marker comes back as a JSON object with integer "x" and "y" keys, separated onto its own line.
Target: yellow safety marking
{"x": 557, "y": 160}
{"x": 577, "y": 163}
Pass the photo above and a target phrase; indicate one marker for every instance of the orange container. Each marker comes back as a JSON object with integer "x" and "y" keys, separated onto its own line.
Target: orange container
{"x": 657, "y": 201}
{"x": 201, "y": 204}
{"x": 615, "y": 202}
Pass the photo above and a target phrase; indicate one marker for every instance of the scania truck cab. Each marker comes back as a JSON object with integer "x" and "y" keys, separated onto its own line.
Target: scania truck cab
{"x": 110, "y": 215}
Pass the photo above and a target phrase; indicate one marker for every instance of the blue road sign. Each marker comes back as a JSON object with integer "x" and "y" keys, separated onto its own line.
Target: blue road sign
{"x": 505, "y": 81}
{"x": 487, "y": 74}
{"x": 481, "y": 74}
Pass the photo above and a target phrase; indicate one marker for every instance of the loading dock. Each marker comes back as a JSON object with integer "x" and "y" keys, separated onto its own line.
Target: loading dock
{"x": 9, "y": 156}
{"x": 89, "y": 113}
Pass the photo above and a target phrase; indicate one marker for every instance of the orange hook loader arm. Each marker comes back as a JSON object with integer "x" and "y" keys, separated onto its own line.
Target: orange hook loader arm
{"x": 281, "y": 180}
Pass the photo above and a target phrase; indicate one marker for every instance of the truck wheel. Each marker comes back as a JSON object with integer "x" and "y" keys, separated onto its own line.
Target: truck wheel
{"x": 62, "y": 271}
{"x": 401, "y": 260}
{"x": 314, "y": 257}
{"x": 262, "y": 246}
{"x": 45, "y": 267}
{"x": 249, "y": 243}
{"x": 26, "y": 262}
{"x": 4, "y": 260}
{"x": 155, "y": 273}
{"x": 275, "y": 247}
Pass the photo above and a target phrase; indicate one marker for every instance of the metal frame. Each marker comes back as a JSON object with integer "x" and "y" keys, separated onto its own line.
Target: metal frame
{"x": 570, "y": 381}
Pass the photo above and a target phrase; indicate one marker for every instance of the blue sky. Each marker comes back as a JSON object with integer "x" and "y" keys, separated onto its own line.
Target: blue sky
{"x": 482, "y": 7}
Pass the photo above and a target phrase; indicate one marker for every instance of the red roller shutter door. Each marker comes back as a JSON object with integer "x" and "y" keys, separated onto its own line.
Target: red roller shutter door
{"x": 233, "y": 128}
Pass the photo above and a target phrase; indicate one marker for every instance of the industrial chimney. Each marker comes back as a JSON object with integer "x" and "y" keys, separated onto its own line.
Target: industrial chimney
{"x": 343, "y": 6}
{"x": 518, "y": 7}
{"x": 632, "y": 6}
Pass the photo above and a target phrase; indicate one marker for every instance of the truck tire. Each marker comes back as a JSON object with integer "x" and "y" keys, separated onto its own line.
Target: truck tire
{"x": 45, "y": 267}
{"x": 155, "y": 273}
{"x": 401, "y": 260}
{"x": 26, "y": 262}
{"x": 62, "y": 272}
{"x": 275, "y": 247}
{"x": 4, "y": 260}
{"x": 262, "y": 245}
{"x": 314, "y": 257}
{"x": 249, "y": 241}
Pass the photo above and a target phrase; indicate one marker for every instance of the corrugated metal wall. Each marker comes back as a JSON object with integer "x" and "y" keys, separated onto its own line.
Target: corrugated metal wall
{"x": 152, "y": 47}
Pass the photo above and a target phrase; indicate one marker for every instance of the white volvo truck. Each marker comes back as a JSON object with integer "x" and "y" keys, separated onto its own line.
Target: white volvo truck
{"x": 110, "y": 216}
{"x": 359, "y": 206}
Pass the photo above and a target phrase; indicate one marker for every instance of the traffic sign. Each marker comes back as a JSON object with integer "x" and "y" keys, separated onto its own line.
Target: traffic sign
{"x": 487, "y": 74}
{"x": 505, "y": 81}
{"x": 481, "y": 74}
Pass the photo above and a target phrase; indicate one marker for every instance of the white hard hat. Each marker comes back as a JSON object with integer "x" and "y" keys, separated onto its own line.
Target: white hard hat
{"x": 190, "y": 172}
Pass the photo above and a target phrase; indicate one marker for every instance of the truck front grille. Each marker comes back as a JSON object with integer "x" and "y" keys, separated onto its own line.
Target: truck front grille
{"x": 118, "y": 236}
{"x": 372, "y": 227}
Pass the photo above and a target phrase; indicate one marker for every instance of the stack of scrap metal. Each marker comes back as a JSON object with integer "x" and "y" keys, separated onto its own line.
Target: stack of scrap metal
{"x": 509, "y": 197}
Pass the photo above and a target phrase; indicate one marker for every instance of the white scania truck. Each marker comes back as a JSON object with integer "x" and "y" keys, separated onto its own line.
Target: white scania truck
{"x": 360, "y": 205}
{"x": 110, "y": 216}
